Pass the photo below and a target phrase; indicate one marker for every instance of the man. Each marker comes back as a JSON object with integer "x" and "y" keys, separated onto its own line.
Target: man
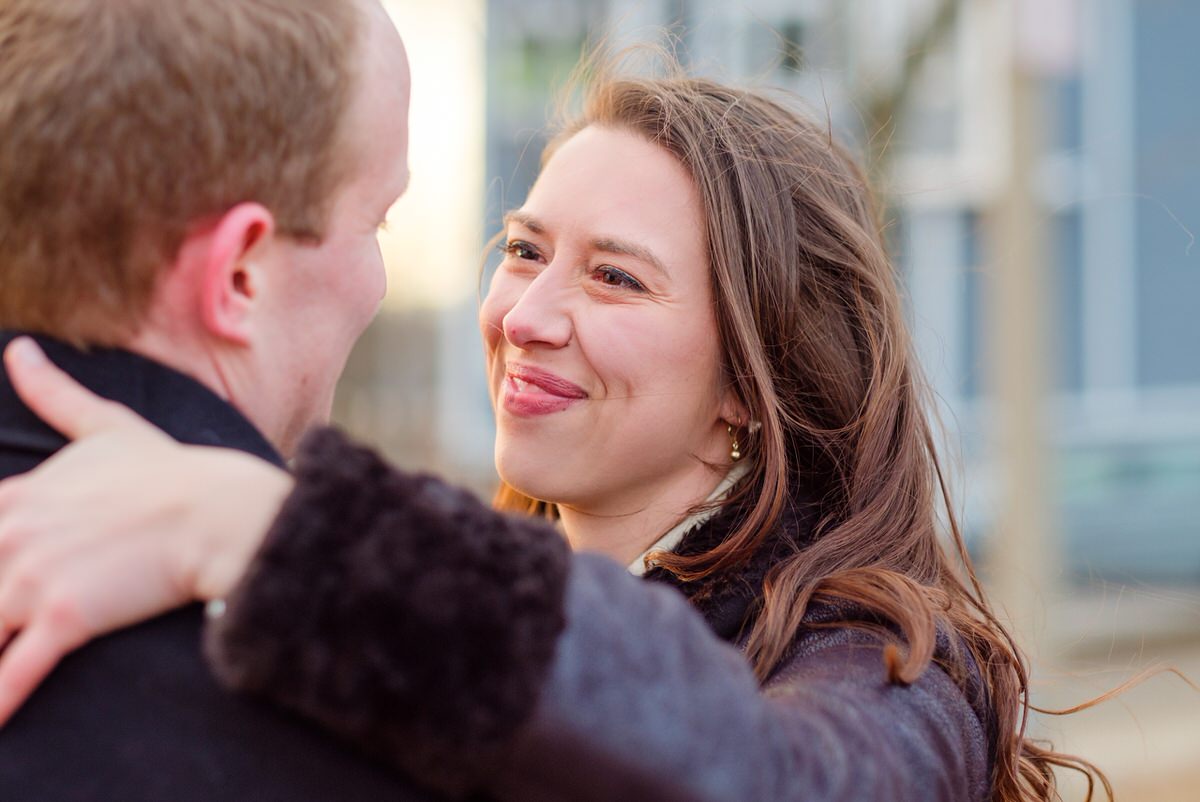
{"x": 189, "y": 197}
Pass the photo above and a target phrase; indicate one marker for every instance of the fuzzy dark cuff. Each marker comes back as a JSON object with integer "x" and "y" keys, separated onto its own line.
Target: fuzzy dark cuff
{"x": 399, "y": 612}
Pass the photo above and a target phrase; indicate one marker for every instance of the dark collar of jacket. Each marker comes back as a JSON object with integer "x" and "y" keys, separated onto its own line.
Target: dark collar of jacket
{"x": 179, "y": 405}
{"x": 728, "y": 599}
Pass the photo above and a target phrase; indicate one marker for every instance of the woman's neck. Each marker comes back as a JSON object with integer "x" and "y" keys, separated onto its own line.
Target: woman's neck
{"x": 623, "y": 528}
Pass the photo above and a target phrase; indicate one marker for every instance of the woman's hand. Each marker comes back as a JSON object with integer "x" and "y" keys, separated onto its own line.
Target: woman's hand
{"x": 120, "y": 526}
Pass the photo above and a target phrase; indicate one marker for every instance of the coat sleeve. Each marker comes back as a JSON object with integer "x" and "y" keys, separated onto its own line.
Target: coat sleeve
{"x": 474, "y": 652}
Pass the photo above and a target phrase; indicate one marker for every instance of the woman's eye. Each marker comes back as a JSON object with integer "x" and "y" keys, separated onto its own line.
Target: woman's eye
{"x": 611, "y": 276}
{"x": 519, "y": 249}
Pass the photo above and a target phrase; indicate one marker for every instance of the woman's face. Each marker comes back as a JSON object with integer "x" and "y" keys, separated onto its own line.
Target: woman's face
{"x": 603, "y": 357}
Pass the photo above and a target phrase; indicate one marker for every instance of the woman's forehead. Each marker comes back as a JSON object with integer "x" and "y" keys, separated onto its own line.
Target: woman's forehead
{"x": 610, "y": 184}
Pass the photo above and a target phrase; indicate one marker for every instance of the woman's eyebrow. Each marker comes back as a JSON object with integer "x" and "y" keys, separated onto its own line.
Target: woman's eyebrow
{"x": 611, "y": 245}
{"x": 625, "y": 248}
{"x": 525, "y": 219}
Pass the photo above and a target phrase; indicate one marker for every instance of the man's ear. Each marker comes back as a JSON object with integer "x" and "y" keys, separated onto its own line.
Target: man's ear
{"x": 231, "y": 270}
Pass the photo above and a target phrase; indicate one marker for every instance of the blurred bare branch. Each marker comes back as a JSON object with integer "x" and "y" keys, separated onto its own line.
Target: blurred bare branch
{"x": 884, "y": 106}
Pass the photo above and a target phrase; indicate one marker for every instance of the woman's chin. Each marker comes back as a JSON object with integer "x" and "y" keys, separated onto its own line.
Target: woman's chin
{"x": 524, "y": 473}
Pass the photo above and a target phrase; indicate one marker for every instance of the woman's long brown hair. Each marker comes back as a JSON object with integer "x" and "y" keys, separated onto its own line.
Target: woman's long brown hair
{"x": 812, "y": 330}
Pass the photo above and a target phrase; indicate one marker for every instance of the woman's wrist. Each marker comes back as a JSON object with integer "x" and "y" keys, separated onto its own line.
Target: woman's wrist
{"x": 223, "y": 531}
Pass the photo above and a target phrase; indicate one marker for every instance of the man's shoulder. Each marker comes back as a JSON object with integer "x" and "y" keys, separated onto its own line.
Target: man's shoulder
{"x": 137, "y": 715}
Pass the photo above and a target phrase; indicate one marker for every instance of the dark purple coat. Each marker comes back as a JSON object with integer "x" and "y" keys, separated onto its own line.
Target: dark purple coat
{"x": 476, "y": 652}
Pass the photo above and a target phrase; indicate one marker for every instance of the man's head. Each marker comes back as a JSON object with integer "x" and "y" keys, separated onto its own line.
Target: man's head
{"x": 201, "y": 181}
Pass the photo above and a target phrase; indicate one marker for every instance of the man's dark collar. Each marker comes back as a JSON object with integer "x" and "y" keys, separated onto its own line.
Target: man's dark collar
{"x": 178, "y": 404}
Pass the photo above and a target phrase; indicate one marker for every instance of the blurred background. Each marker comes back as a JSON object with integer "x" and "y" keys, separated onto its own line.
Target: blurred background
{"x": 1040, "y": 161}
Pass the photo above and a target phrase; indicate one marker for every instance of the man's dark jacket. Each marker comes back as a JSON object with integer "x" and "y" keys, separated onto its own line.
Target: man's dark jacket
{"x": 137, "y": 715}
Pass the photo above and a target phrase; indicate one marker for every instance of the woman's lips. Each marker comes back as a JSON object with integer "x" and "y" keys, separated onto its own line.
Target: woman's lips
{"x": 530, "y": 391}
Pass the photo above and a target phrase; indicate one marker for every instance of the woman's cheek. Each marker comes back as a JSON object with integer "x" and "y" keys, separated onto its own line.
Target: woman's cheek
{"x": 491, "y": 321}
{"x": 502, "y": 296}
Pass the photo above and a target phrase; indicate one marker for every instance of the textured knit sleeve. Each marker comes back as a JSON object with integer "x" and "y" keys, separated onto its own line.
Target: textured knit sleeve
{"x": 473, "y": 651}
{"x": 397, "y": 611}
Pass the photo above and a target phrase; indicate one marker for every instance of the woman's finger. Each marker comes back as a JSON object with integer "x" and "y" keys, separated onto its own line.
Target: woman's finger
{"x": 57, "y": 398}
{"x": 29, "y": 658}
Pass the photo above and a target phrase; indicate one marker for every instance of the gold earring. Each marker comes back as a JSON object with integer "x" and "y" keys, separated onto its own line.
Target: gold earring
{"x": 735, "y": 449}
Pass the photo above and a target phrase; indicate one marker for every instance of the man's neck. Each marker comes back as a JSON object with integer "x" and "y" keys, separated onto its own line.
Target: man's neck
{"x": 172, "y": 351}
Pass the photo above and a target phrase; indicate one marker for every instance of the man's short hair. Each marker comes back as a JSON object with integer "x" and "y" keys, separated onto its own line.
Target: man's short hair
{"x": 124, "y": 123}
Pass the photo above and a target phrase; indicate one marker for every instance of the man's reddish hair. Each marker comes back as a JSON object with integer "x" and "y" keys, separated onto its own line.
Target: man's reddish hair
{"x": 123, "y": 123}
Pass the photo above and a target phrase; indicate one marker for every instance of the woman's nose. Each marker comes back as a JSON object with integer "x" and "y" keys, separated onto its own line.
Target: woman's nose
{"x": 539, "y": 317}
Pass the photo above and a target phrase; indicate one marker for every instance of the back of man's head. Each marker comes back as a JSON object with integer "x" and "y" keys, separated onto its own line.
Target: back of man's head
{"x": 124, "y": 124}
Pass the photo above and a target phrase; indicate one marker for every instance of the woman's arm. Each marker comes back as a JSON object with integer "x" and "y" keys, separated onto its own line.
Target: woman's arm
{"x": 674, "y": 712}
{"x": 472, "y": 650}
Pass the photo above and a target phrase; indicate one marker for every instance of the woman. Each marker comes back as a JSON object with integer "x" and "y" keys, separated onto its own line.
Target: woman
{"x": 699, "y": 367}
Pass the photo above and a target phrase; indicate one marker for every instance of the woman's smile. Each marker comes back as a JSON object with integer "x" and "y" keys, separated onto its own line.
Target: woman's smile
{"x": 529, "y": 391}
